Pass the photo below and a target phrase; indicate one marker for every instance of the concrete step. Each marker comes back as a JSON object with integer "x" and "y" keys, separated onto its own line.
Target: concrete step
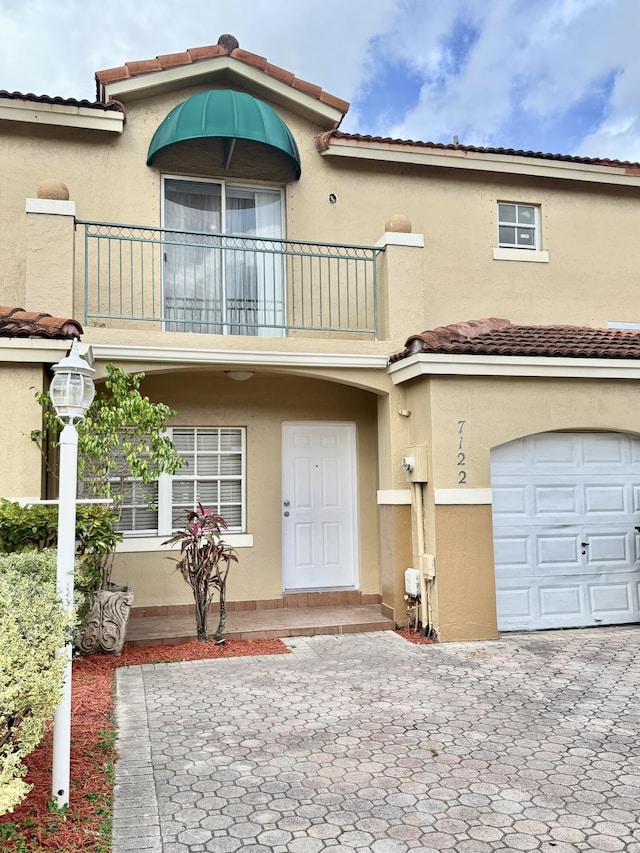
{"x": 257, "y": 624}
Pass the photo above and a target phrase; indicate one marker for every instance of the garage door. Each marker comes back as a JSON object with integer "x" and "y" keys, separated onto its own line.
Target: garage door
{"x": 566, "y": 521}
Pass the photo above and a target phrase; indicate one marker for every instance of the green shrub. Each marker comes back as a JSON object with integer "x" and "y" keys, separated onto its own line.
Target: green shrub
{"x": 33, "y": 628}
{"x": 25, "y": 528}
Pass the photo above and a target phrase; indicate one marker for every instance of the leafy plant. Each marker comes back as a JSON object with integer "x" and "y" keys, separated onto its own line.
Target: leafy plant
{"x": 33, "y": 628}
{"x": 96, "y": 539}
{"x": 121, "y": 441}
{"x": 35, "y": 528}
{"x": 205, "y": 559}
{"x": 27, "y": 527}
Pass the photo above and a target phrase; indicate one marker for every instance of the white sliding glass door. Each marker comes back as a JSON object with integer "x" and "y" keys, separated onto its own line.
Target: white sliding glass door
{"x": 227, "y": 275}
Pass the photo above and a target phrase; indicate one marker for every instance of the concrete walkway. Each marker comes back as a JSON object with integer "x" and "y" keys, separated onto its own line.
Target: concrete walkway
{"x": 364, "y": 742}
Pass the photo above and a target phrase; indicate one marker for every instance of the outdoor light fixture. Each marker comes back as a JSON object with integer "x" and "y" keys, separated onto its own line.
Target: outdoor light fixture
{"x": 72, "y": 389}
{"x": 71, "y": 392}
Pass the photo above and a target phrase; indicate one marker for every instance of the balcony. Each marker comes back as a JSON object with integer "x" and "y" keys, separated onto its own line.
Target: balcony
{"x": 179, "y": 281}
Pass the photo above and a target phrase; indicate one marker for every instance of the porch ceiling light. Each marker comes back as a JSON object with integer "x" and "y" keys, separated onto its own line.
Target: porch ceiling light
{"x": 239, "y": 375}
{"x": 72, "y": 389}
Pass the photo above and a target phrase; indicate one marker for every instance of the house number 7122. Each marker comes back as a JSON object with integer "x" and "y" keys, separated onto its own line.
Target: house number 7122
{"x": 461, "y": 458}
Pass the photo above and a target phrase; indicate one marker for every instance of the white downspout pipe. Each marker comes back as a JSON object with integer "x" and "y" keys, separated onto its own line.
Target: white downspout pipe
{"x": 425, "y": 561}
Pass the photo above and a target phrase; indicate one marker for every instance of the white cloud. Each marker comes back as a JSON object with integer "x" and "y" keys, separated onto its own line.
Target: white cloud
{"x": 56, "y": 47}
{"x": 535, "y": 62}
{"x": 529, "y": 64}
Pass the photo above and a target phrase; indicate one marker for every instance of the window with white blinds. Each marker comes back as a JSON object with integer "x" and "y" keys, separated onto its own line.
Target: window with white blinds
{"x": 139, "y": 512}
{"x": 213, "y": 473}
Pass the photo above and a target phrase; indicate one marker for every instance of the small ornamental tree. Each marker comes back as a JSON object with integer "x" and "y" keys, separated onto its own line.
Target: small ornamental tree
{"x": 121, "y": 441}
{"x": 205, "y": 559}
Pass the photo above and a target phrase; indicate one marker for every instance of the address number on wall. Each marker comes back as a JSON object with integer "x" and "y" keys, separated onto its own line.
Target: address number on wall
{"x": 461, "y": 460}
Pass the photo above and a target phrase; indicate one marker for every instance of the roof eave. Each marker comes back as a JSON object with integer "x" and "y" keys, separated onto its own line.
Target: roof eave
{"x": 32, "y": 350}
{"x": 478, "y": 161}
{"x": 204, "y": 71}
{"x": 445, "y": 364}
{"x": 61, "y": 115}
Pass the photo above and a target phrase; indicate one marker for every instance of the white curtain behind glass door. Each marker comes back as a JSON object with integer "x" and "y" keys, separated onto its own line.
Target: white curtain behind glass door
{"x": 216, "y": 286}
{"x": 193, "y": 284}
{"x": 254, "y": 277}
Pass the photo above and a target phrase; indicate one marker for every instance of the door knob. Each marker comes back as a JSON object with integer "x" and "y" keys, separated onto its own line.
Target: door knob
{"x": 584, "y": 544}
{"x": 286, "y": 503}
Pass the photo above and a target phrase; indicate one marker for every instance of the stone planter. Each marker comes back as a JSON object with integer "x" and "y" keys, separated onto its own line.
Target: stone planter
{"x": 105, "y": 625}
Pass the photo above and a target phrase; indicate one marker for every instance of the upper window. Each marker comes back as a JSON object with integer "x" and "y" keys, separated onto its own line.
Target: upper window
{"x": 518, "y": 226}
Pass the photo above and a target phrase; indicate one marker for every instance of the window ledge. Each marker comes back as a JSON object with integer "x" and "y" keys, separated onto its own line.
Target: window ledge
{"x": 530, "y": 255}
{"x": 138, "y": 544}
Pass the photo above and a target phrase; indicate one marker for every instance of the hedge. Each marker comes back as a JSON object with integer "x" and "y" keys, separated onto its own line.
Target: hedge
{"x": 33, "y": 629}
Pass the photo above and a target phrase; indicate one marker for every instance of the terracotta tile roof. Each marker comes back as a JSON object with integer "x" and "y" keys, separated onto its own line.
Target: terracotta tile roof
{"x": 323, "y": 143}
{"x": 18, "y": 323}
{"x": 227, "y": 46}
{"x": 112, "y": 106}
{"x": 495, "y": 336}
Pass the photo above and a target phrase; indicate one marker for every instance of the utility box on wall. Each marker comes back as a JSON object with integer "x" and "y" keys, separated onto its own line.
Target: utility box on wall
{"x": 419, "y": 472}
{"x": 412, "y": 583}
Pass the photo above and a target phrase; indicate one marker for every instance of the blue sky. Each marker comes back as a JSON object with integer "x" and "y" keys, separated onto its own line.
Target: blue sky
{"x": 561, "y": 76}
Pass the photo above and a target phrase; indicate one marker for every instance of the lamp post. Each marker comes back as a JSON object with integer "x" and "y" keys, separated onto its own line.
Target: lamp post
{"x": 71, "y": 392}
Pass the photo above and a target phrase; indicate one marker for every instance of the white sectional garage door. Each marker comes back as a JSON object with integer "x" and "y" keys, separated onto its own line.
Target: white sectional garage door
{"x": 566, "y": 513}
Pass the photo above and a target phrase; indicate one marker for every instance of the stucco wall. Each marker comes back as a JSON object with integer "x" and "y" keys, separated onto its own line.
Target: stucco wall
{"x": 500, "y": 409}
{"x": 588, "y": 229}
{"x": 495, "y": 410}
{"x": 21, "y": 471}
{"x": 261, "y": 405}
{"x": 465, "y": 578}
{"x": 395, "y": 538}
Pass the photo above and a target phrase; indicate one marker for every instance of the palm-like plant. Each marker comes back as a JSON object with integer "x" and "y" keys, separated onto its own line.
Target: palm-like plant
{"x": 205, "y": 559}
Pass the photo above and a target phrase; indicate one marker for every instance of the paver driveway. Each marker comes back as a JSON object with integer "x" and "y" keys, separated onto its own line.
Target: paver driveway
{"x": 365, "y": 742}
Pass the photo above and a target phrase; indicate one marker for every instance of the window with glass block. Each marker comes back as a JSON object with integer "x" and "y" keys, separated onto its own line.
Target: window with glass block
{"x": 518, "y": 226}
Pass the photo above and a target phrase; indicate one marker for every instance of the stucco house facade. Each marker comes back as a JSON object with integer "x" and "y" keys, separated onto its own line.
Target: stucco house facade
{"x": 382, "y": 353}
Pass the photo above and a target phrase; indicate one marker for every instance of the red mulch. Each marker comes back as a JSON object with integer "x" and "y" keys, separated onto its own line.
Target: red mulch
{"x": 415, "y": 637}
{"x": 35, "y": 827}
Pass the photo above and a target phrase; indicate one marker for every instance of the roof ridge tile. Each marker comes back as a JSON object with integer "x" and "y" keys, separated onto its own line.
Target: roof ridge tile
{"x": 175, "y": 60}
{"x": 495, "y": 336}
{"x": 198, "y": 54}
{"x": 631, "y": 168}
{"x": 111, "y": 105}
{"x": 18, "y": 323}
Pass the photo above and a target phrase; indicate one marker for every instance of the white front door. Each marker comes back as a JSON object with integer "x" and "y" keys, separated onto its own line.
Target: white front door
{"x": 566, "y": 519}
{"x": 319, "y": 506}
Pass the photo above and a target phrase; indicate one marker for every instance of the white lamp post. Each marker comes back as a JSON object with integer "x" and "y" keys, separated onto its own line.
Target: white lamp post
{"x": 71, "y": 392}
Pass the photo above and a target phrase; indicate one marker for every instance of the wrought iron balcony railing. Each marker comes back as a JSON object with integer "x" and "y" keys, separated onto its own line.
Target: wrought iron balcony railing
{"x": 217, "y": 284}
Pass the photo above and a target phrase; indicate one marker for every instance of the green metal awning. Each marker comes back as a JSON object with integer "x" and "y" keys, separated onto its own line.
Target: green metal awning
{"x": 229, "y": 115}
